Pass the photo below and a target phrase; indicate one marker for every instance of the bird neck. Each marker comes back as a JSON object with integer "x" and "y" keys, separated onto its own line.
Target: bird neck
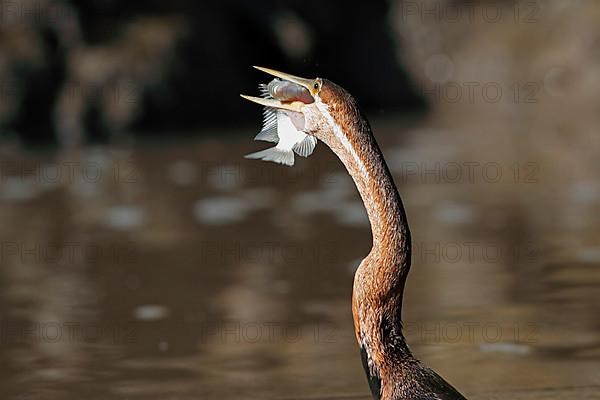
{"x": 355, "y": 146}
{"x": 379, "y": 280}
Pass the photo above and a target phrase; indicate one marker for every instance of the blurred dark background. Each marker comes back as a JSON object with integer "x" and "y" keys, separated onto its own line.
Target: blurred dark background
{"x": 85, "y": 70}
{"x": 122, "y": 130}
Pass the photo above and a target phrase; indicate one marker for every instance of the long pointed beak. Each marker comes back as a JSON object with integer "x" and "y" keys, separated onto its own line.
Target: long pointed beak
{"x": 295, "y": 106}
{"x": 307, "y": 83}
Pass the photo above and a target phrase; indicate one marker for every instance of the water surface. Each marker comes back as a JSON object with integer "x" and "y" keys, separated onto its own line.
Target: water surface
{"x": 184, "y": 271}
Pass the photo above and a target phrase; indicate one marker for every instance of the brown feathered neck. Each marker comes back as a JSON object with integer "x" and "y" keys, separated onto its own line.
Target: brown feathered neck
{"x": 380, "y": 278}
{"x": 353, "y": 142}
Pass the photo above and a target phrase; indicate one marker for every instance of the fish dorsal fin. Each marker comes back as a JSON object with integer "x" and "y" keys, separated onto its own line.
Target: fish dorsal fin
{"x": 306, "y": 146}
{"x": 268, "y": 133}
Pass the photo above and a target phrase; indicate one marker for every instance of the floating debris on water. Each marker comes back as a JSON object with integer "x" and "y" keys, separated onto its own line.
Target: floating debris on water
{"x": 150, "y": 312}
{"x": 124, "y": 217}
{"x": 454, "y": 213}
{"x": 513, "y": 348}
{"x": 220, "y": 210}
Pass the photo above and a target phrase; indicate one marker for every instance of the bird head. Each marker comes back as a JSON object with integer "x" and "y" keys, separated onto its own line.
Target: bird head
{"x": 325, "y": 108}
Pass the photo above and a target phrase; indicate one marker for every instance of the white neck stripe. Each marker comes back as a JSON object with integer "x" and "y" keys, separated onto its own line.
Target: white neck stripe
{"x": 337, "y": 131}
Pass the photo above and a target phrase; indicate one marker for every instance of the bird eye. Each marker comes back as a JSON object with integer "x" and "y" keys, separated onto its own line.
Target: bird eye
{"x": 316, "y": 86}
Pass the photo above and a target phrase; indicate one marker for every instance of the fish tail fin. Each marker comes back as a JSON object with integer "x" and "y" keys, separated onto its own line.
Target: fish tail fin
{"x": 274, "y": 154}
{"x": 264, "y": 90}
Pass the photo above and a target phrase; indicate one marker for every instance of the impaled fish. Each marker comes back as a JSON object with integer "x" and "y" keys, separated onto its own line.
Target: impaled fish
{"x": 284, "y": 127}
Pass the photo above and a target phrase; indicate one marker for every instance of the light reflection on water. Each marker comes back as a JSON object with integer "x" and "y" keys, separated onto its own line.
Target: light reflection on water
{"x": 188, "y": 272}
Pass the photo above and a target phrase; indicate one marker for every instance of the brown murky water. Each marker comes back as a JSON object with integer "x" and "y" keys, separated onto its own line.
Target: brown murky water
{"x": 180, "y": 271}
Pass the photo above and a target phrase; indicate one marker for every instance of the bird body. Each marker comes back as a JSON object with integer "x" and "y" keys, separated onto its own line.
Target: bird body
{"x": 334, "y": 118}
